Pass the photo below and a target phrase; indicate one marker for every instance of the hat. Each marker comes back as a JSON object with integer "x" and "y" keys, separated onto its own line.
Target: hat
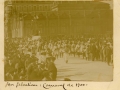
{"x": 48, "y": 58}
{"x": 67, "y": 79}
{"x": 42, "y": 65}
{"x": 27, "y": 55}
{"x": 43, "y": 53}
{"x": 33, "y": 53}
{"x": 53, "y": 58}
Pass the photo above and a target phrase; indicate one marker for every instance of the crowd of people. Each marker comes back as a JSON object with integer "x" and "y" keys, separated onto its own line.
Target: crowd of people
{"x": 28, "y": 59}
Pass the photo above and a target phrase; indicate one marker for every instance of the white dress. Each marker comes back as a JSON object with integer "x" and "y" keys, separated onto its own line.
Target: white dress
{"x": 66, "y": 56}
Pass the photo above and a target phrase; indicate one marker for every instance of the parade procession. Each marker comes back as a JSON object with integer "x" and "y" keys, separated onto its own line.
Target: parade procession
{"x": 52, "y": 40}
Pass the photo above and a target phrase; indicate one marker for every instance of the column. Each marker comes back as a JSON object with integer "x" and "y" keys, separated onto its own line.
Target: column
{"x": 70, "y": 23}
{"x": 17, "y": 27}
{"x": 5, "y": 30}
{"x": 13, "y": 28}
{"x": 58, "y": 26}
{"x": 84, "y": 22}
{"x": 19, "y": 31}
{"x": 47, "y": 28}
{"x": 21, "y": 28}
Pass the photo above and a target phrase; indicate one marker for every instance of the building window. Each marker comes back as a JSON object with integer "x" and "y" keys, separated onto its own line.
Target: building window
{"x": 26, "y": 8}
{"x": 29, "y": 8}
{"x": 39, "y": 8}
{"x": 16, "y": 8}
{"x": 19, "y": 8}
{"x": 46, "y": 8}
{"x": 34, "y": 7}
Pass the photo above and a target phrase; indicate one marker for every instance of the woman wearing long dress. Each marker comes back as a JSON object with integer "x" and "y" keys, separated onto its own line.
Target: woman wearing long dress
{"x": 66, "y": 54}
{"x": 73, "y": 49}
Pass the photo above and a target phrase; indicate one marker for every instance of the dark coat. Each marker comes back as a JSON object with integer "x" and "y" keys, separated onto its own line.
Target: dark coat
{"x": 52, "y": 69}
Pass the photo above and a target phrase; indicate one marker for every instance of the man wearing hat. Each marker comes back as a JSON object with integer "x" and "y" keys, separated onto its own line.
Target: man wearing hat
{"x": 73, "y": 48}
{"x": 32, "y": 71}
{"x": 108, "y": 53}
{"x": 9, "y": 69}
{"x": 42, "y": 57}
{"x": 51, "y": 72}
{"x": 104, "y": 52}
{"x": 33, "y": 57}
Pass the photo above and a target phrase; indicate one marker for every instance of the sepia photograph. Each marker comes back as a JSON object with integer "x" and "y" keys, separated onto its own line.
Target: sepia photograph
{"x": 58, "y": 40}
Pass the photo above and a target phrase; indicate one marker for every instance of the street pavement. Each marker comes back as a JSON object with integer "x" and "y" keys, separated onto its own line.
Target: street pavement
{"x": 78, "y": 69}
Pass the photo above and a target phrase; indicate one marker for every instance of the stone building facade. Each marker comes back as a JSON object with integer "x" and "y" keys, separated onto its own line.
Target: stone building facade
{"x": 58, "y": 18}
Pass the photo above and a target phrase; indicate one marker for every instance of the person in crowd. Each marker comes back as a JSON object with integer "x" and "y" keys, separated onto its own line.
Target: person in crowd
{"x": 77, "y": 49}
{"x": 87, "y": 51}
{"x": 42, "y": 58}
{"x": 51, "y": 71}
{"x": 73, "y": 48}
{"x": 108, "y": 53}
{"x": 66, "y": 53}
{"x": 61, "y": 51}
